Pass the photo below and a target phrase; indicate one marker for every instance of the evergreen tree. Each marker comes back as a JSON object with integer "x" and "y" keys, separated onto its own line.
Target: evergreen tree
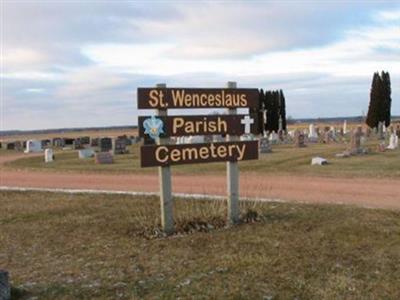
{"x": 274, "y": 104}
{"x": 373, "y": 109}
{"x": 282, "y": 109}
{"x": 379, "y": 109}
{"x": 269, "y": 112}
{"x": 386, "y": 114}
{"x": 260, "y": 113}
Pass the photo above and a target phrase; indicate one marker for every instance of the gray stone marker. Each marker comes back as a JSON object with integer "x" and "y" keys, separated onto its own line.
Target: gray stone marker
{"x": 355, "y": 142}
{"x": 5, "y": 289}
{"x": 299, "y": 139}
{"x": 103, "y": 158}
{"x": 265, "y": 147}
{"x": 381, "y": 135}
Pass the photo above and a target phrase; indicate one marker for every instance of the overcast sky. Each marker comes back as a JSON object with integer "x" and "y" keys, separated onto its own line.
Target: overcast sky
{"x": 79, "y": 63}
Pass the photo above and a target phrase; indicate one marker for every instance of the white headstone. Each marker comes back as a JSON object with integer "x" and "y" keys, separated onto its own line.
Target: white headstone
{"x": 345, "y": 127}
{"x": 48, "y": 155}
{"x": 312, "y": 134}
{"x": 393, "y": 142}
{"x": 273, "y": 137}
{"x": 333, "y": 131}
{"x": 197, "y": 139}
{"x": 319, "y": 161}
{"x": 86, "y": 153}
{"x": 247, "y": 137}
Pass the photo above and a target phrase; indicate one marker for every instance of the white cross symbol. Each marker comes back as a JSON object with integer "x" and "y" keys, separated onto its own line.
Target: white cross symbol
{"x": 247, "y": 121}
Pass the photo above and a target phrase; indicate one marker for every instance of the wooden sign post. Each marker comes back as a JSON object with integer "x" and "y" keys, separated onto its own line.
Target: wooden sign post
{"x": 164, "y": 174}
{"x": 232, "y": 176}
{"x": 161, "y": 127}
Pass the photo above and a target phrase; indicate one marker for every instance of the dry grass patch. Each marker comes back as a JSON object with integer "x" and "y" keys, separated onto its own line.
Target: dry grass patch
{"x": 63, "y": 246}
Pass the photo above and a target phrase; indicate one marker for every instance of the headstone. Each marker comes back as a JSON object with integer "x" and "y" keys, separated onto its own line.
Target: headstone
{"x": 58, "y": 142}
{"x": 280, "y": 126}
{"x": 333, "y": 132}
{"x": 343, "y": 154}
{"x": 318, "y": 161}
{"x": 48, "y": 155}
{"x": 355, "y": 142}
{"x": 33, "y": 146}
{"x": 86, "y": 153}
{"x": 247, "y": 137}
{"x": 393, "y": 141}
{"x": 208, "y": 139}
{"x": 85, "y": 140}
{"x": 45, "y": 143}
{"x": 18, "y": 146}
{"x": 265, "y": 146}
{"x": 10, "y": 146}
{"x": 367, "y": 132}
{"x": 299, "y": 139}
{"x": 380, "y": 131}
{"x": 105, "y": 144}
{"x": 312, "y": 135}
{"x": 120, "y": 146}
{"x": 68, "y": 142}
{"x": 381, "y": 147}
{"x": 273, "y": 137}
{"x": 5, "y": 289}
{"x": 103, "y": 158}
{"x": 328, "y": 137}
{"x": 345, "y": 127}
{"x": 78, "y": 144}
{"x": 217, "y": 138}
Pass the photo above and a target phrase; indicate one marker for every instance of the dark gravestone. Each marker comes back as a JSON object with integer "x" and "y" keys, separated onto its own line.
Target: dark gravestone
{"x": 120, "y": 146}
{"x": 85, "y": 140}
{"x": 5, "y": 290}
{"x": 18, "y": 146}
{"x": 10, "y": 146}
{"x": 78, "y": 144}
{"x": 105, "y": 144}
{"x": 68, "y": 142}
{"x": 103, "y": 158}
{"x": 94, "y": 142}
{"x": 45, "y": 143}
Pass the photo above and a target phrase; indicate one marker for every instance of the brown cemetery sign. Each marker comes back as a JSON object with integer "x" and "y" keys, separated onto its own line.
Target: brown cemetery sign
{"x": 162, "y": 126}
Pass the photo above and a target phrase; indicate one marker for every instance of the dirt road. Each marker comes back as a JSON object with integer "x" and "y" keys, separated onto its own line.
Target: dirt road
{"x": 382, "y": 193}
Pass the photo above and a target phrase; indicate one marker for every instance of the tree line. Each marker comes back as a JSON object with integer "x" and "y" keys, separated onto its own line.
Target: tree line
{"x": 274, "y": 105}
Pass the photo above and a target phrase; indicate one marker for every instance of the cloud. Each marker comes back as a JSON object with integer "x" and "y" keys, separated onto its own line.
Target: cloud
{"x": 78, "y": 64}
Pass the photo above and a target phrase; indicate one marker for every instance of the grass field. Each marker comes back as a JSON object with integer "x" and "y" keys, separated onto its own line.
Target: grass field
{"x": 63, "y": 246}
{"x": 285, "y": 159}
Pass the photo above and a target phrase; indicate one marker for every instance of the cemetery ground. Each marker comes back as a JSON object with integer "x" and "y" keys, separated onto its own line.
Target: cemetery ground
{"x": 370, "y": 180}
{"x": 284, "y": 160}
{"x": 63, "y": 246}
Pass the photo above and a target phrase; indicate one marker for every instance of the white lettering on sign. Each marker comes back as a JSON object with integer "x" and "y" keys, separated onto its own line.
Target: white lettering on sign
{"x": 163, "y": 154}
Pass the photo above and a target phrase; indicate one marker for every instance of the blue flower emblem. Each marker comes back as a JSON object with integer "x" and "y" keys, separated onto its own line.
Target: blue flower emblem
{"x": 153, "y": 127}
